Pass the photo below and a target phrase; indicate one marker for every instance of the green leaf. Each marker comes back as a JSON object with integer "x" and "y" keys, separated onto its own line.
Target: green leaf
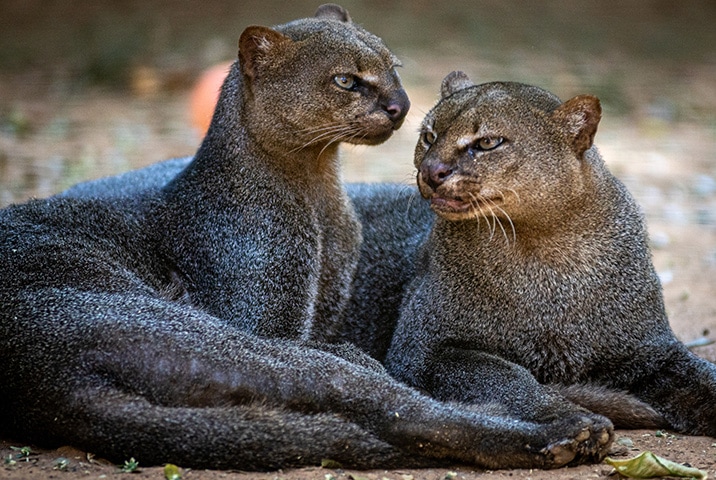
{"x": 172, "y": 472}
{"x": 328, "y": 463}
{"x": 648, "y": 465}
{"x": 130, "y": 466}
{"x": 23, "y": 452}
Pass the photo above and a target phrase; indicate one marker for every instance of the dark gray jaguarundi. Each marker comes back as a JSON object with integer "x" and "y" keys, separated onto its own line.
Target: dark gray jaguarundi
{"x": 170, "y": 326}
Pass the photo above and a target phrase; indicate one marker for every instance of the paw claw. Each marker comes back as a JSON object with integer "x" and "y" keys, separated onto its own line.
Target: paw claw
{"x": 588, "y": 444}
{"x": 561, "y": 453}
{"x": 583, "y": 435}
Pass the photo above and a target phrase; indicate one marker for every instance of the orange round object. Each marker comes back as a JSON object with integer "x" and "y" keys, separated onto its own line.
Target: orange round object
{"x": 204, "y": 95}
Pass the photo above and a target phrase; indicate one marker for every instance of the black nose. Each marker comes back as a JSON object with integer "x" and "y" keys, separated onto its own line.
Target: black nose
{"x": 435, "y": 175}
{"x": 397, "y": 107}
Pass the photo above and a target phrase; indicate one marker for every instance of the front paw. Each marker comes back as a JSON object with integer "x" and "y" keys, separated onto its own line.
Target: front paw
{"x": 586, "y": 439}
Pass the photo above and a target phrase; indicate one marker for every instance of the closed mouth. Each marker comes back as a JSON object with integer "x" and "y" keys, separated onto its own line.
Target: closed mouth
{"x": 456, "y": 204}
{"x": 459, "y": 205}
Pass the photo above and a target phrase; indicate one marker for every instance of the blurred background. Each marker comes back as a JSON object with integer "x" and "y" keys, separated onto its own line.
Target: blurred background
{"x": 94, "y": 88}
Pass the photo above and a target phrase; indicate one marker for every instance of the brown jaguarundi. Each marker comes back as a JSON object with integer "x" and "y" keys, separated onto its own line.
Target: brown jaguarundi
{"x": 538, "y": 258}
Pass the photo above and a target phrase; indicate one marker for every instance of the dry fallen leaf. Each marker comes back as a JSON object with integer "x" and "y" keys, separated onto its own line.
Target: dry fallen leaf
{"x": 648, "y": 465}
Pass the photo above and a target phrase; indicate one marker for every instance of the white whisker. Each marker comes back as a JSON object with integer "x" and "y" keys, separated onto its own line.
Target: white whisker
{"x": 332, "y": 133}
{"x": 504, "y": 233}
{"x": 512, "y": 225}
{"x": 517, "y": 195}
{"x": 507, "y": 216}
{"x": 495, "y": 206}
{"x": 412, "y": 197}
{"x": 475, "y": 203}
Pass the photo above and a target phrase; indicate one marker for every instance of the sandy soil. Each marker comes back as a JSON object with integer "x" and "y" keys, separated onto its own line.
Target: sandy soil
{"x": 68, "y": 463}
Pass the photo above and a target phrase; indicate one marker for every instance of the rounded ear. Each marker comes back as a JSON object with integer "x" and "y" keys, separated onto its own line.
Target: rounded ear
{"x": 579, "y": 117}
{"x": 454, "y": 82}
{"x": 331, "y": 11}
{"x": 255, "y": 46}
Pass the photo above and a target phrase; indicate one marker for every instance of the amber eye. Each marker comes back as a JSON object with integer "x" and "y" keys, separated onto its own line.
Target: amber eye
{"x": 489, "y": 143}
{"x": 429, "y": 137}
{"x": 345, "y": 81}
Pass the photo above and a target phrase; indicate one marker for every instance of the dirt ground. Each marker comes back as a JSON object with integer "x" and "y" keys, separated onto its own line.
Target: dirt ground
{"x": 76, "y": 117}
{"x": 67, "y": 463}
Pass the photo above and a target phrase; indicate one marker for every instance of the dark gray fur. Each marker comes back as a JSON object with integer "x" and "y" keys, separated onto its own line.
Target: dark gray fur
{"x": 660, "y": 383}
{"x": 395, "y": 223}
{"x": 145, "y": 323}
{"x": 638, "y": 374}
